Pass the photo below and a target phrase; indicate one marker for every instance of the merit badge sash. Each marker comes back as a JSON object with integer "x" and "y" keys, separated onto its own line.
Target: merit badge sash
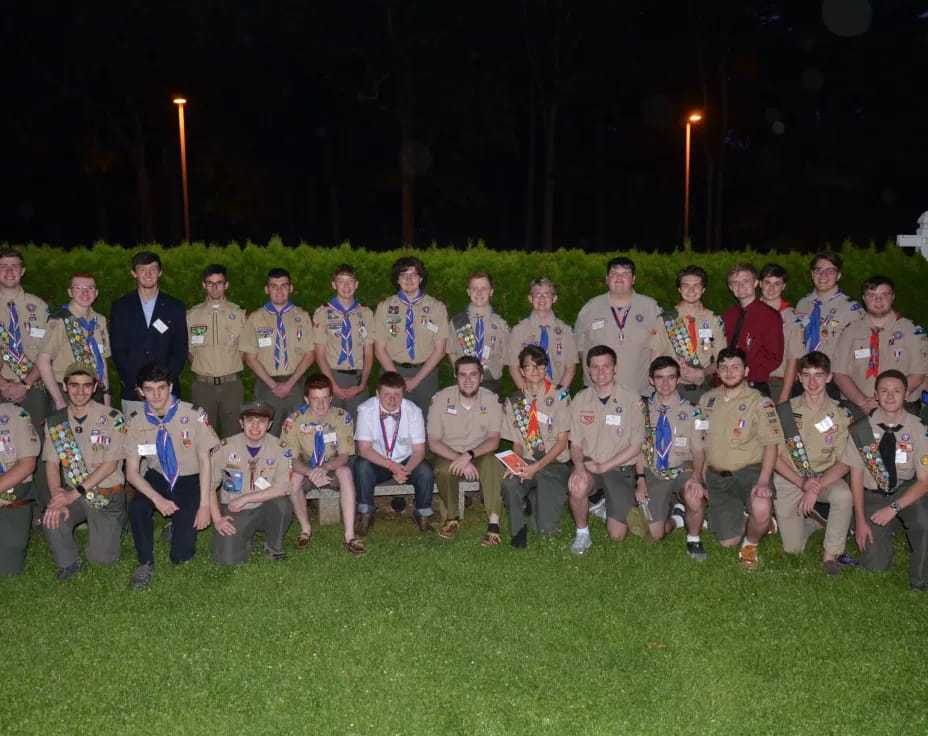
{"x": 679, "y": 336}
{"x": 794, "y": 443}
{"x": 862, "y": 434}
{"x": 532, "y": 440}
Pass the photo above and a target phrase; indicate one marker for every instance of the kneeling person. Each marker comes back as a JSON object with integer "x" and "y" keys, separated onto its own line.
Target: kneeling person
{"x": 252, "y": 470}
{"x": 322, "y": 437}
{"x": 18, "y": 454}
{"x": 83, "y": 455}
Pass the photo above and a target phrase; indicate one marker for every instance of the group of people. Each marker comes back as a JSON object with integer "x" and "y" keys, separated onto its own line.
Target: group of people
{"x": 765, "y": 420}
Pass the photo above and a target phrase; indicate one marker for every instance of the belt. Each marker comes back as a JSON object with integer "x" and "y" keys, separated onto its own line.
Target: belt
{"x": 408, "y": 365}
{"x": 349, "y": 373}
{"x": 878, "y": 492}
{"x": 15, "y": 504}
{"x": 281, "y": 379}
{"x": 730, "y": 473}
{"x": 216, "y": 380}
{"x": 112, "y": 491}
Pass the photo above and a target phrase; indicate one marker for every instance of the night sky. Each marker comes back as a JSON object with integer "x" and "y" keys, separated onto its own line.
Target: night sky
{"x": 527, "y": 123}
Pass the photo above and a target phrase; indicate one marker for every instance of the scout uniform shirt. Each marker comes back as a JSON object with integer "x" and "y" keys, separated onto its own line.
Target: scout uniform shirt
{"x": 238, "y": 472}
{"x": 911, "y": 449}
{"x": 460, "y": 428}
{"x": 430, "y": 323}
{"x": 604, "y": 430}
{"x": 100, "y": 438}
{"x": 902, "y": 345}
{"x": 32, "y": 319}
{"x": 823, "y": 432}
{"x": 495, "y": 340}
{"x": 738, "y": 429}
{"x": 302, "y": 426}
{"x": 562, "y": 347}
{"x": 792, "y": 340}
{"x": 328, "y": 324}
{"x": 628, "y": 331}
{"x": 836, "y": 313}
{"x": 213, "y": 338}
{"x": 260, "y": 338}
{"x": 706, "y": 326}
{"x": 65, "y": 349}
{"x": 686, "y": 438}
{"x": 552, "y": 413}
{"x": 190, "y": 433}
{"x": 18, "y": 439}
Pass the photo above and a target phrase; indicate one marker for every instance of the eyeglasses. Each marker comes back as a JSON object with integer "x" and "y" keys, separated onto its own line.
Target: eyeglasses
{"x": 409, "y": 276}
{"x": 533, "y": 367}
{"x": 542, "y": 295}
{"x": 820, "y": 271}
{"x": 214, "y": 284}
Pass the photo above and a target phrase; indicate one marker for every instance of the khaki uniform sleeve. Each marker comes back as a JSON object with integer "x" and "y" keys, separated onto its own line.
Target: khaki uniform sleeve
{"x": 769, "y": 431}
{"x": 248, "y": 341}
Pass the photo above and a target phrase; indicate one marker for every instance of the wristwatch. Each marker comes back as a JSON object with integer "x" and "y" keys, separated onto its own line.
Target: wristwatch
{"x": 640, "y": 476}
{"x": 895, "y": 506}
{"x": 80, "y": 489}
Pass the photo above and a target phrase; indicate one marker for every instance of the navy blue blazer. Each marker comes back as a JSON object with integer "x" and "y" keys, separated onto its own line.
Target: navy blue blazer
{"x": 134, "y": 344}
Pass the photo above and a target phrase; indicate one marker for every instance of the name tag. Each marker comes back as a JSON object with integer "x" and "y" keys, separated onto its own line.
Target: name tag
{"x": 261, "y": 484}
{"x": 148, "y": 449}
{"x": 902, "y": 457}
{"x": 160, "y": 326}
{"x": 451, "y": 410}
{"x": 680, "y": 441}
{"x": 705, "y": 333}
{"x": 265, "y": 342}
{"x": 330, "y": 438}
{"x": 543, "y": 418}
{"x": 862, "y": 353}
{"x": 197, "y": 340}
{"x": 36, "y": 332}
{"x": 613, "y": 420}
{"x": 431, "y": 326}
{"x": 824, "y": 425}
{"x": 702, "y": 424}
{"x": 598, "y": 324}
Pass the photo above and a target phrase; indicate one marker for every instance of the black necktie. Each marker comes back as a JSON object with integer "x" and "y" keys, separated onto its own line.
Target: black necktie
{"x": 738, "y": 325}
{"x": 888, "y": 450}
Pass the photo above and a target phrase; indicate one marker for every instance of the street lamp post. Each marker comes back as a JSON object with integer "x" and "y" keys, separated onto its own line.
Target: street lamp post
{"x": 180, "y": 102}
{"x": 693, "y": 118}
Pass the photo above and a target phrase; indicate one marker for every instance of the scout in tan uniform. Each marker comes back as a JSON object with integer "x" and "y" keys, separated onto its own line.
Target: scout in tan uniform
{"x": 810, "y": 467}
{"x": 83, "y": 453}
{"x": 536, "y": 421}
{"x": 322, "y": 438}
{"x": 543, "y": 329}
{"x": 75, "y": 334}
{"x": 691, "y": 334}
{"x": 176, "y": 439}
{"x": 481, "y": 332}
{"x": 411, "y": 332}
{"x": 463, "y": 427}
{"x": 782, "y": 380}
{"x": 214, "y": 328}
{"x": 606, "y": 432}
{"x": 888, "y": 458}
{"x": 19, "y": 447}
{"x": 880, "y": 341}
{"x": 345, "y": 341}
{"x": 278, "y": 345}
{"x": 742, "y": 440}
{"x": 252, "y": 470}
{"x": 673, "y": 448}
{"x": 623, "y": 320}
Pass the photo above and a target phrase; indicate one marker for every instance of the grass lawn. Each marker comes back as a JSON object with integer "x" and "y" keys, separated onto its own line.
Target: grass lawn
{"x": 424, "y": 636}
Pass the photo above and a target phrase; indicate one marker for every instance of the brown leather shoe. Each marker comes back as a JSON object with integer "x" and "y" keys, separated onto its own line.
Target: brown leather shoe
{"x": 423, "y": 523}
{"x": 364, "y": 525}
{"x": 356, "y": 547}
{"x": 449, "y": 529}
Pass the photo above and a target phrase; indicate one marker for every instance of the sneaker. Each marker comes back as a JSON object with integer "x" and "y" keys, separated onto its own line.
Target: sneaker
{"x": 677, "y": 515}
{"x": 274, "y": 556}
{"x": 490, "y": 539}
{"x": 66, "y": 573}
{"x": 747, "y": 557}
{"x": 847, "y": 560}
{"x": 449, "y": 529}
{"x": 831, "y": 567}
{"x": 598, "y": 509}
{"x": 581, "y": 544}
{"x": 142, "y": 576}
{"x": 696, "y": 551}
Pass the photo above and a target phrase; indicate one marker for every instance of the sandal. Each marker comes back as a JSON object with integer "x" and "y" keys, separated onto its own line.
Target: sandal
{"x": 304, "y": 540}
{"x": 355, "y": 547}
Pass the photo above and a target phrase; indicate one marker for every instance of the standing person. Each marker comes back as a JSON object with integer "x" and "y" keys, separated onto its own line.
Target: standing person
{"x": 345, "y": 341}
{"x": 810, "y": 466}
{"x": 84, "y": 449}
{"x": 411, "y": 331}
{"x": 889, "y": 480}
{"x": 691, "y": 334}
{"x": 753, "y": 327}
{"x": 18, "y": 455}
{"x": 481, "y": 332}
{"x": 672, "y": 451}
{"x": 606, "y": 432}
{"x": 773, "y": 279}
{"x": 537, "y": 421}
{"x": 544, "y": 329}
{"x": 76, "y": 333}
{"x": 176, "y": 439}
{"x": 215, "y": 330}
{"x": 278, "y": 346}
{"x": 623, "y": 320}
{"x": 322, "y": 436}
{"x": 464, "y": 426}
{"x": 252, "y": 470}
{"x": 742, "y": 441}
{"x": 390, "y": 436}
{"x": 147, "y": 326}
{"x": 883, "y": 339}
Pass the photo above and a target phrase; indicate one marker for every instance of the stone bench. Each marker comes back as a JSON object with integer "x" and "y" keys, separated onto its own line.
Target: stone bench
{"x": 329, "y": 512}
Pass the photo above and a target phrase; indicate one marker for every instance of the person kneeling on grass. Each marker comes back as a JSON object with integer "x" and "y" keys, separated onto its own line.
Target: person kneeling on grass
{"x": 889, "y": 479}
{"x": 176, "y": 439}
{"x": 322, "y": 437}
{"x": 252, "y": 470}
{"x": 18, "y": 451}
{"x": 810, "y": 466}
{"x": 742, "y": 440}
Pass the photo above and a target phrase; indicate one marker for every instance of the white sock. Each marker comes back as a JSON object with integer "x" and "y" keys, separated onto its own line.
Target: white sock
{"x": 678, "y": 521}
{"x": 746, "y": 543}
{"x": 692, "y": 538}
{"x": 585, "y": 532}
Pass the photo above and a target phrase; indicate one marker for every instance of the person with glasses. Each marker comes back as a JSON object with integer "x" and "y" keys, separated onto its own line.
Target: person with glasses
{"x": 214, "y": 327}
{"x": 411, "y": 332}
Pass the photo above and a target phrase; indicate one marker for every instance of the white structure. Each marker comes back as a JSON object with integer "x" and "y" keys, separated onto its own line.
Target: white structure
{"x": 919, "y": 240}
